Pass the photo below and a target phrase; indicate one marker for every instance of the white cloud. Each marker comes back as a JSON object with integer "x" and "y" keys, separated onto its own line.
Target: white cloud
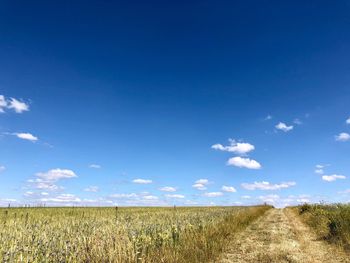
{"x": 284, "y": 127}
{"x": 229, "y": 189}
{"x": 56, "y": 174}
{"x": 26, "y": 136}
{"x": 132, "y": 195}
{"x": 244, "y": 163}
{"x": 29, "y": 193}
{"x": 168, "y": 189}
{"x": 213, "y": 194}
{"x": 3, "y": 103}
{"x": 150, "y": 197}
{"x": 95, "y": 166}
{"x": 201, "y": 184}
{"x": 267, "y": 186}
{"x": 175, "y": 196}
{"x": 202, "y": 181}
{"x": 348, "y": 121}
{"x": 269, "y": 198}
{"x": 235, "y": 147}
{"x": 2, "y": 168}
{"x": 246, "y": 197}
{"x": 333, "y": 177}
{"x": 342, "y": 137}
{"x": 63, "y": 198}
{"x": 17, "y": 106}
{"x": 199, "y": 187}
{"x": 142, "y": 181}
{"x": 45, "y": 185}
{"x": 320, "y": 166}
{"x": 92, "y": 189}
{"x": 35, "y": 194}
{"x": 319, "y": 171}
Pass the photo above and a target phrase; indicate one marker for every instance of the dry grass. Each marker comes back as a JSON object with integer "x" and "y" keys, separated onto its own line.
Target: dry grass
{"x": 331, "y": 222}
{"x": 120, "y": 235}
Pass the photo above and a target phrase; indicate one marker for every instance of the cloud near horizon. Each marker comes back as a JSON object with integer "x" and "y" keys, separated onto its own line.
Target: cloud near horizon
{"x": 213, "y": 194}
{"x": 267, "y": 185}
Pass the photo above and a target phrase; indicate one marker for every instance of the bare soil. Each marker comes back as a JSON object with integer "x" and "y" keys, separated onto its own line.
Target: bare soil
{"x": 280, "y": 236}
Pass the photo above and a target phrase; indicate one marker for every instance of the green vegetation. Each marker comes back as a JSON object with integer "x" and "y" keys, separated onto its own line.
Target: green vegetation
{"x": 331, "y": 222}
{"x": 120, "y": 234}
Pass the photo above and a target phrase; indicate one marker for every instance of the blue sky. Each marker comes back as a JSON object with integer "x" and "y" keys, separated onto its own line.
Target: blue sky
{"x": 187, "y": 103}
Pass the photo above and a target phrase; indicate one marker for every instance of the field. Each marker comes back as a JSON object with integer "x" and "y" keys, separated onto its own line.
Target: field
{"x": 120, "y": 234}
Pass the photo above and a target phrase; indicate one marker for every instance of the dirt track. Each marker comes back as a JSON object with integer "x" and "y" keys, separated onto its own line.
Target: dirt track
{"x": 279, "y": 236}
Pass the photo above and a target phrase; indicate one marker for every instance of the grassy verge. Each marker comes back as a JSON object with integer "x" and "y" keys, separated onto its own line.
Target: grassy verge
{"x": 331, "y": 222}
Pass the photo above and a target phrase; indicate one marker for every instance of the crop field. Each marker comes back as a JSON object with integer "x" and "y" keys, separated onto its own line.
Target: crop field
{"x": 120, "y": 234}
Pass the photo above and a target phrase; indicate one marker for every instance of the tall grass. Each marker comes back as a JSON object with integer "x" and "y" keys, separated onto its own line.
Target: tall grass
{"x": 119, "y": 235}
{"x": 331, "y": 222}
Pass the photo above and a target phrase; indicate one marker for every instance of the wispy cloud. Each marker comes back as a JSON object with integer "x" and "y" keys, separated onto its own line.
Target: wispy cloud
{"x": 118, "y": 196}
{"x": 62, "y": 198}
{"x": 142, "y": 181}
{"x": 213, "y": 194}
{"x": 178, "y": 196}
{"x": 348, "y": 121}
{"x": 244, "y": 163}
{"x": 229, "y": 189}
{"x": 319, "y": 169}
{"x": 284, "y": 127}
{"x": 150, "y": 197}
{"x": 201, "y": 184}
{"x": 3, "y": 103}
{"x": 333, "y": 177}
{"x": 268, "y": 117}
{"x": 267, "y": 186}
{"x": 168, "y": 189}
{"x": 2, "y": 168}
{"x": 56, "y": 174}
{"x": 297, "y": 121}
{"x": 17, "y": 105}
{"x": 92, "y": 189}
{"x": 44, "y": 185}
{"x": 95, "y": 166}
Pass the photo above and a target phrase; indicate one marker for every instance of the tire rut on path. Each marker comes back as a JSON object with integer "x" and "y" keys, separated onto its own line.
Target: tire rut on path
{"x": 280, "y": 236}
